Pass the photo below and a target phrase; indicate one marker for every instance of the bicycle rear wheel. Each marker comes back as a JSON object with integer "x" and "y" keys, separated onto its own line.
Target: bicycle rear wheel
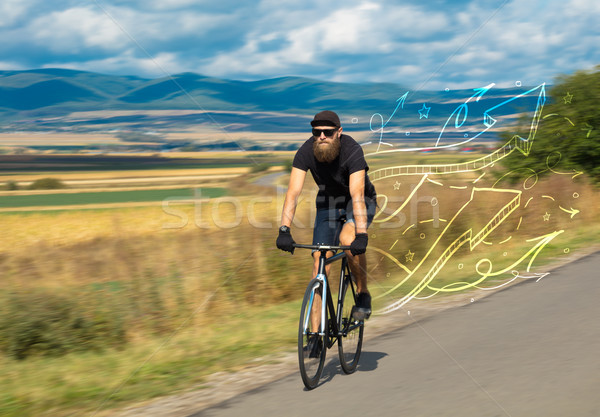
{"x": 350, "y": 341}
{"x": 312, "y": 347}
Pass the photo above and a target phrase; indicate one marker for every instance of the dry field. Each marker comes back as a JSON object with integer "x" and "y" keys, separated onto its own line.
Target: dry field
{"x": 58, "y": 139}
{"x": 138, "y": 178}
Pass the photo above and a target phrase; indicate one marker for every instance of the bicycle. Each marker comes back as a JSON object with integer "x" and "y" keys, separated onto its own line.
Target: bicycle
{"x": 341, "y": 327}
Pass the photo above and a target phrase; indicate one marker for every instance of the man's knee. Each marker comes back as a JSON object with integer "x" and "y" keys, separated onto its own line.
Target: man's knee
{"x": 316, "y": 256}
{"x": 347, "y": 235}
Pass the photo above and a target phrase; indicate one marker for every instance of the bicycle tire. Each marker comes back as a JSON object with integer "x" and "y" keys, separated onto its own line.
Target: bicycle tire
{"x": 311, "y": 368}
{"x": 350, "y": 340}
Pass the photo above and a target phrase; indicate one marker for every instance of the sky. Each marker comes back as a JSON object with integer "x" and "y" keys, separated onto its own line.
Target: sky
{"x": 422, "y": 45}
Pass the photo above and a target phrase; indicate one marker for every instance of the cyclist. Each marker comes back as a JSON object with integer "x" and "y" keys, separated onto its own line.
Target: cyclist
{"x": 346, "y": 201}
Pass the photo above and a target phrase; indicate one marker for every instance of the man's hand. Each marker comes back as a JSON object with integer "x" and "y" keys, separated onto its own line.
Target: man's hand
{"x": 285, "y": 241}
{"x": 359, "y": 245}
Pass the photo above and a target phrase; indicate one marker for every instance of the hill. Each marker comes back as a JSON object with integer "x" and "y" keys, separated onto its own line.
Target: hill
{"x": 60, "y": 100}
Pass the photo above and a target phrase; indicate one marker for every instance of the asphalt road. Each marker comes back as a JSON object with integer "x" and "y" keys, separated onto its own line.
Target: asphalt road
{"x": 269, "y": 180}
{"x": 530, "y": 350}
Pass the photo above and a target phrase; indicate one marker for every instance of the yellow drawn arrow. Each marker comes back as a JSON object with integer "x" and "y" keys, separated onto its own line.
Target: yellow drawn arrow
{"x": 572, "y": 212}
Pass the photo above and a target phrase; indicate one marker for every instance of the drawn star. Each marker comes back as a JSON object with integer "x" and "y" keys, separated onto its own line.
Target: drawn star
{"x": 568, "y": 98}
{"x": 397, "y": 186}
{"x": 546, "y": 217}
{"x": 409, "y": 256}
{"x": 424, "y": 112}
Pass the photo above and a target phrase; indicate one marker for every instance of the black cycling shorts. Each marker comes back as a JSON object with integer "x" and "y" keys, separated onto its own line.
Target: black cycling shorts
{"x": 329, "y": 222}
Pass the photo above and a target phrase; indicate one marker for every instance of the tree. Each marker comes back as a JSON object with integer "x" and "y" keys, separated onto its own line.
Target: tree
{"x": 568, "y": 136}
{"x": 47, "y": 184}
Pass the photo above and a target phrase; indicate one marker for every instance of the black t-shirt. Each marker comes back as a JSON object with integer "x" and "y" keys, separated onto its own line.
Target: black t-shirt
{"x": 333, "y": 178}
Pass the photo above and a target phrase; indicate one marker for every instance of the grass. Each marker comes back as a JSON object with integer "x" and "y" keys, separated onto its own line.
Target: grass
{"x": 84, "y": 382}
{"x": 66, "y": 199}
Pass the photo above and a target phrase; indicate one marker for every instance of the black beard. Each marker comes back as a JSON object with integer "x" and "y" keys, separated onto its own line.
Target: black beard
{"x": 327, "y": 153}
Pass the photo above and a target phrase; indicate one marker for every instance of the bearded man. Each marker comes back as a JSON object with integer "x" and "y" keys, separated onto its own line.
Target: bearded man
{"x": 346, "y": 201}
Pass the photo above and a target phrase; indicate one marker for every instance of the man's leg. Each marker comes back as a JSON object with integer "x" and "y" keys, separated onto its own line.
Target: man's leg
{"x": 358, "y": 267}
{"x": 358, "y": 264}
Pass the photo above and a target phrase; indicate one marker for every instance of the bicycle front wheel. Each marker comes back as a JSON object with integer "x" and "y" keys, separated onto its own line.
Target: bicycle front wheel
{"x": 350, "y": 340}
{"x": 312, "y": 347}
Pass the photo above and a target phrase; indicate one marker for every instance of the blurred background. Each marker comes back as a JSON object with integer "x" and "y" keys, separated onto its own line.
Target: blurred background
{"x": 143, "y": 168}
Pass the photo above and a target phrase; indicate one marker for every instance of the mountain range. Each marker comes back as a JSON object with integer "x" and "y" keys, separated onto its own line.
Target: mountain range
{"x": 42, "y": 99}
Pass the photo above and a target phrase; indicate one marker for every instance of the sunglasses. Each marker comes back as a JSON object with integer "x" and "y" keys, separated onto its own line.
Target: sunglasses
{"x": 327, "y": 132}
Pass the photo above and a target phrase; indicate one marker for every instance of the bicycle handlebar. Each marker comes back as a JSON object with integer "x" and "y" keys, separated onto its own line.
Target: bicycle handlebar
{"x": 321, "y": 247}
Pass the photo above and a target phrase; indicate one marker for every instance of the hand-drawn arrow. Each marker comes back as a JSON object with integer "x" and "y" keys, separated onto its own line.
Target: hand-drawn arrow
{"x": 479, "y": 92}
{"x": 572, "y": 212}
{"x": 488, "y": 120}
{"x": 399, "y": 103}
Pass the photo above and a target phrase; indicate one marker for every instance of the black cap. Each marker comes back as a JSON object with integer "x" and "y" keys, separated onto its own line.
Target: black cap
{"x": 326, "y": 118}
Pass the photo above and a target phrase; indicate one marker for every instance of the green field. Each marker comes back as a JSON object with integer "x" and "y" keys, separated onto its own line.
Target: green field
{"x": 134, "y": 196}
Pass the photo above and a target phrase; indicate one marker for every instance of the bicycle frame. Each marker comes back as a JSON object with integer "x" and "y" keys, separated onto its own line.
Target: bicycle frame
{"x": 326, "y": 298}
{"x": 314, "y": 337}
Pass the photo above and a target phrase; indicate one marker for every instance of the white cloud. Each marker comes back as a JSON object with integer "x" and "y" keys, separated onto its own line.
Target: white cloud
{"x": 370, "y": 28}
{"x": 521, "y": 41}
{"x": 11, "y": 66}
{"x": 347, "y": 30}
{"x": 351, "y": 40}
{"x": 479, "y": 55}
{"x": 12, "y": 10}
{"x": 74, "y": 29}
{"x": 171, "y": 4}
{"x": 578, "y": 8}
{"x": 360, "y": 30}
{"x": 116, "y": 29}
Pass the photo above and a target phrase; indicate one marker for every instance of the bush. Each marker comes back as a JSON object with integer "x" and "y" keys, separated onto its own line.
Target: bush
{"x": 263, "y": 166}
{"x": 288, "y": 165}
{"x": 47, "y": 184}
{"x": 11, "y": 186}
{"x": 43, "y": 323}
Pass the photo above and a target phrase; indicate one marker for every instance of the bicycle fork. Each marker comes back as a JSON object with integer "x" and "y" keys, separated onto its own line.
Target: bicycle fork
{"x": 323, "y": 280}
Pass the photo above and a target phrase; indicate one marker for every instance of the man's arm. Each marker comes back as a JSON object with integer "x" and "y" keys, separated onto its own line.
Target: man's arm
{"x": 291, "y": 197}
{"x": 357, "y": 192}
